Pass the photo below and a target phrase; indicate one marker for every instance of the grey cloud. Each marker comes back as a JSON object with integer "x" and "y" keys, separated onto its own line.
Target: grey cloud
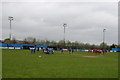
{"x": 85, "y": 21}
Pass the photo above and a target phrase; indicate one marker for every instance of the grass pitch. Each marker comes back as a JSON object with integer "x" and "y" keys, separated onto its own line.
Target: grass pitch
{"x": 23, "y": 64}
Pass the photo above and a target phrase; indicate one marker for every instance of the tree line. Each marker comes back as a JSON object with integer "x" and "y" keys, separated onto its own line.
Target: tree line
{"x": 61, "y": 43}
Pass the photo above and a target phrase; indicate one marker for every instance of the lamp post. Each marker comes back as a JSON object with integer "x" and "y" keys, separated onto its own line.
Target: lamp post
{"x": 10, "y": 18}
{"x": 64, "y": 25}
{"x": 104, "y": 38}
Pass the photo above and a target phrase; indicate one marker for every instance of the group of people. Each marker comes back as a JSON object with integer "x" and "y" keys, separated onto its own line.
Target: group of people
{"x": 44, "y": 50}
{"x": 47, "y": 51}
{"x": 97, "y": 51}
{"x": 71, "y": 51}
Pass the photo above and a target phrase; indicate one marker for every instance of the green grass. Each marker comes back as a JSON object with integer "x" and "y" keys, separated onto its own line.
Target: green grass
{"x": 23, "y": 64}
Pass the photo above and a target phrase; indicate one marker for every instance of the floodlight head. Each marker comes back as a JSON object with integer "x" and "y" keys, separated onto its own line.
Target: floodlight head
{"x": 64, "y": 24}
{"x": 10, "y": 18}
{"x": 104, "y": 30}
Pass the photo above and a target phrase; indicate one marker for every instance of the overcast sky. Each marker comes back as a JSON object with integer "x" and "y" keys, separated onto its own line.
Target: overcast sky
{"x": 44, "y": 21}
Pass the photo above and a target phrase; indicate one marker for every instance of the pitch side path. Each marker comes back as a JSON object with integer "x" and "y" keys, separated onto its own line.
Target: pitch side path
{"x": 23, "y": 64}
